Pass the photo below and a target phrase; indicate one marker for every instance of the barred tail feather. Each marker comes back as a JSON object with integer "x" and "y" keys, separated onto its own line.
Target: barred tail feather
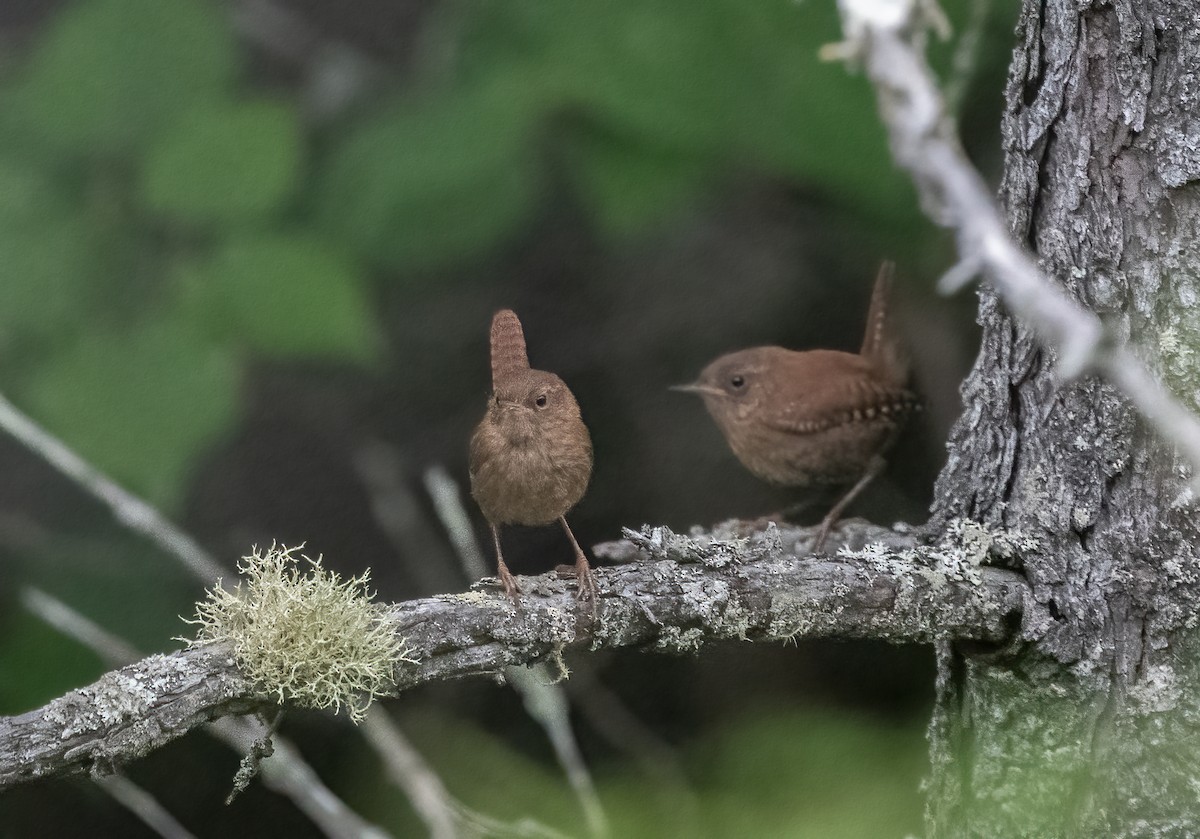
{"x": 508, "y": 346}
{"x": 880, "y": 344}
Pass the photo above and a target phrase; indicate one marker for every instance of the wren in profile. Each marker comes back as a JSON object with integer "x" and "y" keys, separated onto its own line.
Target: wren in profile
{"x": 817, "y": 417}
{"x": 531, "y": 455}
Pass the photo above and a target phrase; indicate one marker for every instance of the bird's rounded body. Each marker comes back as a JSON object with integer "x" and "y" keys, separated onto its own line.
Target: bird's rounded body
{"x": 530, "y": 465}
{"x": 814, "y": 417}
{"x": 804, "y": 418}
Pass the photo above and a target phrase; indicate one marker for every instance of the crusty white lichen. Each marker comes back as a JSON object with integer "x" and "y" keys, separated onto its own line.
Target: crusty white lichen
{"x": 675, "y": 639}
{"x": 116, "y": 698}
{"x": 716, "y": 549}
{"x": 980, "y": 540}
{"x": 1158, "y": 691}
{"x": 965, "y": 545}
{"x": 305, "y": 635}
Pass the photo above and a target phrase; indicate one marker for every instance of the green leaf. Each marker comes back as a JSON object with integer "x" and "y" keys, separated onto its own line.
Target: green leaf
{"x": 141, "y": 404}
{"x": 109, "y": 73}
{"x": 224, "y": 162}
{"x": 285, "y": 296}
{"x": 425, "y": 184}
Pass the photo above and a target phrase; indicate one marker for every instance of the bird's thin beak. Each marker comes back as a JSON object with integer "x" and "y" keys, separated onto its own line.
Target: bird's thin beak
{"x": 696, "y": 387}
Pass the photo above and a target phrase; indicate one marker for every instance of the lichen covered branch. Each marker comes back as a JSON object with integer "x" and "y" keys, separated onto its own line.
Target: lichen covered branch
{"x": 124, "y": 715}
{"x": 671, "y": 593}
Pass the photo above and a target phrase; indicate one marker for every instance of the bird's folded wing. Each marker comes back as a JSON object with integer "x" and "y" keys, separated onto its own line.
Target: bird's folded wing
{"x": 841, "y": 402}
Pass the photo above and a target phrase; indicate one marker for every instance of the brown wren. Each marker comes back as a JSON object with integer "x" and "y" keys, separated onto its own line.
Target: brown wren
{"x": 531, "y": 455}
{"x": 817, "y": 417}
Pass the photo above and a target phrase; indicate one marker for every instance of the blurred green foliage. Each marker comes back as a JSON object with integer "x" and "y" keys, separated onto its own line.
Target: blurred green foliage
{"x": 160, "y": 220}
{"x": 144, "y": 199}
{"x": 109, "y": 75}
{"x": 645, "y": 103}
{"x": 223, "y": 163}
{"x": 769, "y": 773}
{"x": 280, "y": 294}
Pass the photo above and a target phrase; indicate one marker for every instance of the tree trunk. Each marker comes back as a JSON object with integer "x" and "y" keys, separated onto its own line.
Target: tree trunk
{"x": 1092, "y": 726}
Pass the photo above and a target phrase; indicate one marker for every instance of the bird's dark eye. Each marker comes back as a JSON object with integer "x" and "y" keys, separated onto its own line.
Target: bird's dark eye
{"x": 737, "y": 381}
{"x": 540, "y": 401}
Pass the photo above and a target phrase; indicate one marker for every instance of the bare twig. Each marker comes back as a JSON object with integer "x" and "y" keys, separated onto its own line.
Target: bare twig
{"x": 445, "y": 816}
{"x": 128, "y": 509}
{"x": 684, "y": 592}
{"x": 143, "y": 805}
{"x": 544, "y": 700}
{"x": 397, "y": 509}
{"x": 609, "y": 716}
{"x": 409, "y": 771}
{"x": 445, "y": 494}
{"x": 401, "y": 518}
{"x": 965, "y": 61}
{"x": 113, "y": 650}
{"x": 883, "y": 34}
{"x": 288, "y": 773}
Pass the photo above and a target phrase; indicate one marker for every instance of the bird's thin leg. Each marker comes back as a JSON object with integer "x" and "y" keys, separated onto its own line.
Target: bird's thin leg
{"x": 585, "y": 583}
{"x": 506, "y": 578}
{"x": 873, "y": 469}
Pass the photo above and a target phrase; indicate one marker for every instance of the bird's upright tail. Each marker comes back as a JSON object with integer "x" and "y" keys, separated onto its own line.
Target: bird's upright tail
{"x": 880, "y": 344}
{"x": 508, "y": 346}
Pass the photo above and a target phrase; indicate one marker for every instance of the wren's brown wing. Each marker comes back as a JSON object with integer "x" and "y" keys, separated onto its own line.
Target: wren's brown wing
{"x": 826, "y": 388}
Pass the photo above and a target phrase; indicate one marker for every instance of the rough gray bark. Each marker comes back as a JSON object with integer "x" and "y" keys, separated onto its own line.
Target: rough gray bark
{"x": 125, "y": 715}
{"x": 673, "y": 593}
{"x": 1094, "y": 728}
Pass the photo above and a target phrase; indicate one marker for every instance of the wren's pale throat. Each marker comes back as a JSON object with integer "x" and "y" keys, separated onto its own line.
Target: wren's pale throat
{"x": 531, "y": 456}
{"x": 817, "y": 417}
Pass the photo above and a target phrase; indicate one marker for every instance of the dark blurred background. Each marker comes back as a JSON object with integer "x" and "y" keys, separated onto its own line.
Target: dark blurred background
{"x": 249, "y": 254}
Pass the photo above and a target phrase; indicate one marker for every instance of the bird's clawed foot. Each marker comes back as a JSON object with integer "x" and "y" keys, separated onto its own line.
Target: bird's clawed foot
{"x": 508, "y": 581}
{"x": 873, "y": 469}
{"x": 506, "y": 578}
{"x": 585, "y": 581}
{"x": 818, "y": 545}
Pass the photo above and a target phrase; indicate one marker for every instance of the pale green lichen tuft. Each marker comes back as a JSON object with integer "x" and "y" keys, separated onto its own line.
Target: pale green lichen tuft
{"x": 304, "y": 634}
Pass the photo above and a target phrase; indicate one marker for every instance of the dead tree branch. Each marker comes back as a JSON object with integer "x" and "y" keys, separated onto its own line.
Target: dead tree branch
{"x": 673, "y": 593}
